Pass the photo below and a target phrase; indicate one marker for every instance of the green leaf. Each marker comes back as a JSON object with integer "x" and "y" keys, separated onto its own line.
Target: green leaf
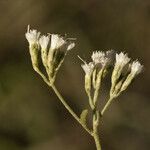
{"x": 83, "y": 116}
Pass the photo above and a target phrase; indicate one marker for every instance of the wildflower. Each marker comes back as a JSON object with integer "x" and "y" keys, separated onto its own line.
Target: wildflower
{"x": 88, "y": 68}
{"x": 44, "y": 41}
{"x": 121, "y": 61}
{"x": 136, "y": 68}
{"x": 59, "y": 47}
{"x": 32, "y": 36}
{"x": 56, "y": 41}
{"x": 98, "y": 56}
{"x": 103, "y": 58}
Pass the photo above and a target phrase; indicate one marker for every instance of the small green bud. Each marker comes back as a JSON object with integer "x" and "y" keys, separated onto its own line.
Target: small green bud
{"x": 88, "y": 83}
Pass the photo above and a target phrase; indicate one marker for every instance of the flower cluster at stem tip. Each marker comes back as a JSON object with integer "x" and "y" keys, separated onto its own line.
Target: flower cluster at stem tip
{"x": 124, "y": 71}
{"x": 53, "y": 49}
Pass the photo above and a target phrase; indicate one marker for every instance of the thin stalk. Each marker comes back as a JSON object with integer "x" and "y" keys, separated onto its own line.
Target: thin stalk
{"x": 63, "y": 101}
{"x": 97, "y": 141}
{"x": 91, "y": 101}
{"x": 69, "y": 109}
{"x": 96, "y": 118}
{"x": 107, "y": 105}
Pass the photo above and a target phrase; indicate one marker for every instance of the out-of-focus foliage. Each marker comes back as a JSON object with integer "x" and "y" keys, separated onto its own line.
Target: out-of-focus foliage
{"x": 31, "y": 117}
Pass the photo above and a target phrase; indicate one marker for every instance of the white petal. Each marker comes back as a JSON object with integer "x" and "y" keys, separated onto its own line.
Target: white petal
{"x": 44, "y": 40}
{"x": 122, "y": 59}
{"x": 32, "y": 36}
{"x": 56, "y": 41}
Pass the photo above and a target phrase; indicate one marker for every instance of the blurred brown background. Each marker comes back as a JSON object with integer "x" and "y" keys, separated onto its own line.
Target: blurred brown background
{"x": 31, "y": 117}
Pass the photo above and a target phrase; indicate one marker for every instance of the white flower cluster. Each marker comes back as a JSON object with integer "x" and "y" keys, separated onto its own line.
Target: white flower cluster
{"x": 53, "y": 49}
{"x": 120, "y": 80}
{"x": 103, "y": 59}
{"x": 123, "y": 60}
{"x": 123, "y": 72}
{"x": 57, "y": 41}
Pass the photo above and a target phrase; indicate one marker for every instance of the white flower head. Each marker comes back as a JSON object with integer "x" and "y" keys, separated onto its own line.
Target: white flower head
{"x": 122, "y": 59}
{"x": 88, "y": 68}
{"x": 57, "y": 41}
{"x": 104, "y": 58}
{"x": 97, "y": 56}
{"x": 32, "y": 36}
{"x": 136, "y": 67}
{"x": 44, "y": 41}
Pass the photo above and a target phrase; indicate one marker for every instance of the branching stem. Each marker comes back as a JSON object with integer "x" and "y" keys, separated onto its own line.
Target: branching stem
{"x": 69, "y": 109}
{"x": 107, "y": 105}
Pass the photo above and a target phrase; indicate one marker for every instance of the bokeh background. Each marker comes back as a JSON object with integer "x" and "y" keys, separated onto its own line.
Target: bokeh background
{"x": 31, "y": 117}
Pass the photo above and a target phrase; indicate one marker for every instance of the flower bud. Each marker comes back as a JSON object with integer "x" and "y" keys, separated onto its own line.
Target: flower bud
{"x": 121, "y": 61}
{"x": 33, "y": 36}
{"x": 59, "y": 47}
{"x": 44, "y": 41}
{"x": 136, "y": 68}
{"x": 88, "y": 68}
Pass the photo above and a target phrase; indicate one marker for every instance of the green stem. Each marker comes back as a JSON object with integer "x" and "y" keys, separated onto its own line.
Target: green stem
{"x": 41, "y": 74}
{"x": 91, "y": 101}
{"x": 93, "y": 133}
{"x": 97, "y": 141}
{"x": 63, "y": 101}
{"x": 96, "y": 118}
{"x": 107, "y": 105}
{"x": 69, "y": 109}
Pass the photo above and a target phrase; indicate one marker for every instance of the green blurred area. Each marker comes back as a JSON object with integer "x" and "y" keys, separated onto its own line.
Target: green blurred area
{"x": 31, "y": 117}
